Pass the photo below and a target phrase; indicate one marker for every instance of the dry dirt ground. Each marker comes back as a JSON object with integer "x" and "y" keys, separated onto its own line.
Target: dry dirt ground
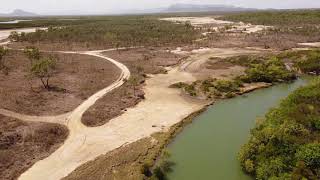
{"x": 24, "y": 143}
{"x": 140, "y": 62}
{"x": 281, "y": 41}
{"x": 207, "y": 63}
{"x": 77, "y": 77}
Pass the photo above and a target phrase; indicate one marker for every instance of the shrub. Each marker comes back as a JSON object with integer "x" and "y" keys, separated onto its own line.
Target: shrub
{"x": 226, "y": 86}
{"x": 43, "y": 69}
{"x": 178, "y": 85}
{"x": 310, "y": 63}
{"x": 190, "y": 89}
{"x": 273, "y": 70}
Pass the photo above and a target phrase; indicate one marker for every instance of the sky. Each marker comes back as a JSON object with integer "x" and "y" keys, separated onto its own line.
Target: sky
{"x": 121, "y": 6}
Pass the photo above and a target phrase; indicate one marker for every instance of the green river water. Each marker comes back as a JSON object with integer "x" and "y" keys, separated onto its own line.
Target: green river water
{"x": 207, "y": 149}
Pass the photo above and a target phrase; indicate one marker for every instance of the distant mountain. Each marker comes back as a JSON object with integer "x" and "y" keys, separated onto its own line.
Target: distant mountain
{"x": 205, "y": 8}
{"x": 19, "y": 13}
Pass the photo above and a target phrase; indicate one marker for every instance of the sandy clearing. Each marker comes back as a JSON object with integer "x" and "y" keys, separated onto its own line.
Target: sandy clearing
{"x": 202, "y": 55}
{"x": 195, "y": 21}
{"x": 197, "y": 62}
{"x": 4, "y": 34}
{"x": 249, "y": 28}
{"x": 313, "y": 44}
{"x": 200, "y": 21}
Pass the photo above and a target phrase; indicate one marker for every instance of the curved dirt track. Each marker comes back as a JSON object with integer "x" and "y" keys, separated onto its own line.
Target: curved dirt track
{"x": 72, "y": 120}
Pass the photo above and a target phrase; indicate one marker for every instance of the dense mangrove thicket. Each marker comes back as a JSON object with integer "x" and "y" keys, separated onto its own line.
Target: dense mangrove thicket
{"x": 286, "y": 145}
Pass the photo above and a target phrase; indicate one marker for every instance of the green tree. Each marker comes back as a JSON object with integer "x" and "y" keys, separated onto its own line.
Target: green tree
{"x": 310, "y": 155}
{"x": 14, "y": 36}
{"x": 44, "y": 69}
{"x": 32, "y": 53}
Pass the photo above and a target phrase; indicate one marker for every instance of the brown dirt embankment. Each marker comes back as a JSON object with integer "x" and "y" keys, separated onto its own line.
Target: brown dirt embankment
{"x": 24, "y": 143}
{"x": 77, "y": 77}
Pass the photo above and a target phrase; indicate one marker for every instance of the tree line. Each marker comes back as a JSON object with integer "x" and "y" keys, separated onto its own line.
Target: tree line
{"x": 117, "y": 31}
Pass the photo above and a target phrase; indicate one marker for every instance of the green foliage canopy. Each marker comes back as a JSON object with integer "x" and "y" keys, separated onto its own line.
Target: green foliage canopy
{"x": 287, "y": 144}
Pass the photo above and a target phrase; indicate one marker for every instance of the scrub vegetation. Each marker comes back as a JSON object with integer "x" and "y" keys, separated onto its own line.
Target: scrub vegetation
{"x": 286, "y": 144}
{"x": 114, "y": 32}
{"x": 269, "y": 71}
{"x": 305, "y": 61}
{"x": 287, "y": 27}
{"x": 278, "y": 18}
